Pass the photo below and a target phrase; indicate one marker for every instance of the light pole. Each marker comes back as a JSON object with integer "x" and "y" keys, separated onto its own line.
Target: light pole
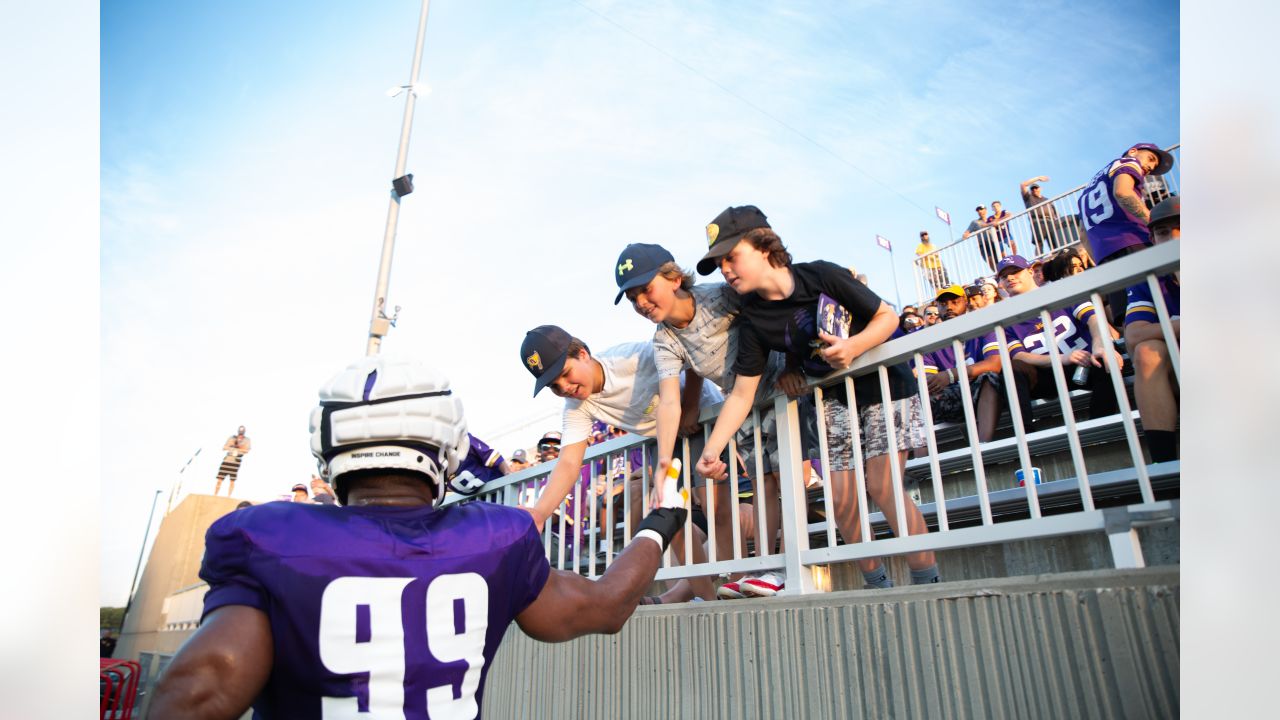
{"x": 379, "y": 322}
{"x": 138, "y": 567}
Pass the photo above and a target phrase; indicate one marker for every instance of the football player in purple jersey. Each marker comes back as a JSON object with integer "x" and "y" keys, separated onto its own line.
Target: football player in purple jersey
{"x": 1155, "y": 387}
{"x": 1072, "y": 330}
{"x": 390, "y": 605}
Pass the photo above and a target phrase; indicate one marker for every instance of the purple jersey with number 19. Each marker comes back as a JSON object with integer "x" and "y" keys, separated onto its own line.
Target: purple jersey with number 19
{"x": 393, "y": 611}
{"x": 1109, "y": 226}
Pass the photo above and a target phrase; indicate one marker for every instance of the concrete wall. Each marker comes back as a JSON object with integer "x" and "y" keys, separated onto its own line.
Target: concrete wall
{"x": 1098, "y": 644}
{"x": 174, "y": 563}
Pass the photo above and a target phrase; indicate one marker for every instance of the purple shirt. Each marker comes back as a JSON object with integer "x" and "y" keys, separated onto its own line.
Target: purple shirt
{"x": 398, "y": 608}
{"x": 1109, "y": 227}
{"x": 1141, "y": 307}
{"x": 481, "y": 460}
{"x": 975, "y": 350}
{"x": 1071, "y": 329}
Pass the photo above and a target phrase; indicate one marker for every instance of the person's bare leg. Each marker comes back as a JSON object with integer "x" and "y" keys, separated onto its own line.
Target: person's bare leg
{"x": 217, "y": 486}
{"x": 723, "y": 500}
{"x": 1153, "y": 386}
{"x": 845, "y": 506}
{"x": 231, "y": 487}
{"x": 880, "y": 488}
{"x": 772, "y": 515}
{"x": 988, "y": 412}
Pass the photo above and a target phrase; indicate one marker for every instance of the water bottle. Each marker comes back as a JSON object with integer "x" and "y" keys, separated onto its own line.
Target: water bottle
{"x": 1081, "y": 375}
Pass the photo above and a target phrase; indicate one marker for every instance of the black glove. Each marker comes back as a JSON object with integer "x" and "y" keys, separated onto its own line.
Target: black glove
{"x": 666, "y": 522}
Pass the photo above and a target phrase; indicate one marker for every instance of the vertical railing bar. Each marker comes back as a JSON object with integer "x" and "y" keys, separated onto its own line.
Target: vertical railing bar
{"x": 1015, "y": 413}
{"x": 688, "y": 485}
{"x": 859, "y": 467}
{"x": 608, "y": 503}
{"x": 975, "y": 445}
{"x": 1166, "y": 327}
{"x": 762, "y": 527}
{"x": 1068, "y": 417}
{"x": 709, "y": 509}
{"x": 895, "y": 470}
{"x": 733, "y": 499}
{"x": 824, "y": 455}
{"x": 577, "y": 525}
{"x": 595, "y": 532}
{"x": 931, "y": 441}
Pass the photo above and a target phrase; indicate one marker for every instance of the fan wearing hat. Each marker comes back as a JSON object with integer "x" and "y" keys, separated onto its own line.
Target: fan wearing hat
{"x": 1112, "y": 207}
{"x": 943, "y": 375}
{"x": 619, "y": 387}
{"x": 981, "y": 227}
{"x": 696, "y": 335}
{"x": 779, "y": 313}
{"x": 1073, "y": 330}
{"x": 300, "y": 493}
{"x": 1044, "y": 218}
{"x": 1154, "y": 383}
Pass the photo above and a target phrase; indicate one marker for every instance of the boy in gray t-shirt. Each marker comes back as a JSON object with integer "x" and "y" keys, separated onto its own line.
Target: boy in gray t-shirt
{"x": 695, "y": 334}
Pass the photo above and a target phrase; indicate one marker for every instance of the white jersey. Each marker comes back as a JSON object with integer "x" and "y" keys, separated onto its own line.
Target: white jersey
{"x": 708, "y": 345}
{"x": 629, "y": 399}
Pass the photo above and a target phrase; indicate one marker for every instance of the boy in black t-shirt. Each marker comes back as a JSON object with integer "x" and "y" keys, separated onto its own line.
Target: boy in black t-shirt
{"x": 779, "y": 312}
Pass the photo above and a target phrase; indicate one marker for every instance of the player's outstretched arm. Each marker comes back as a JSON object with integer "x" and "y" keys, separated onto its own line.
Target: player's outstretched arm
{"x": 220, "y": 670}
{"x": 570, "y": 605}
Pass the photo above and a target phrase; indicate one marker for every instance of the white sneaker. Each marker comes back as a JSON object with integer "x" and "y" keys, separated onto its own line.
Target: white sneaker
{"x": 767, "y": 585}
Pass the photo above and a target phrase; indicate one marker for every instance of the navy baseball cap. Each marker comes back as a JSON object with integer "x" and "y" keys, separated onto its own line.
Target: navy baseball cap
{"x": 1012, "y": 261}
{"x": 1166, "y": 160}
{"x": 637, "y": 265}
{"x": 723, "y": 233}
{"x": 543, "y": 352}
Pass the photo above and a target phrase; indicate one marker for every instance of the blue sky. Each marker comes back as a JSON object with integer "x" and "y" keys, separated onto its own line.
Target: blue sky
{"x": 247, "y": 150}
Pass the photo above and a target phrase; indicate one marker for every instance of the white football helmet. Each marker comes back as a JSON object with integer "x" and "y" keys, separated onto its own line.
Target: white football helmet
{"x": 385, "y": 413}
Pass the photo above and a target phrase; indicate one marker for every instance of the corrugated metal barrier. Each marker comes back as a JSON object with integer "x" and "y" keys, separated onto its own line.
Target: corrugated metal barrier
{"x": 1098, "y": 644}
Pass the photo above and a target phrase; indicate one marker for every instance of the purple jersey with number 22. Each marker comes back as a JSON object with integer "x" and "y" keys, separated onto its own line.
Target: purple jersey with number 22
{"x": 1109, "y": 226}
{"x": 394, "y": 611}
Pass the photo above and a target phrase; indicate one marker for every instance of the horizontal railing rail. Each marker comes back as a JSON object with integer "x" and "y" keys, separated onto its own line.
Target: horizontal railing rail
{"x": 586, "y": 531}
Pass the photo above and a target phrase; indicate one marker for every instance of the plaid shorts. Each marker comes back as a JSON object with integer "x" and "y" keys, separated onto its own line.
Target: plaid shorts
{"x": 908, "y": 428}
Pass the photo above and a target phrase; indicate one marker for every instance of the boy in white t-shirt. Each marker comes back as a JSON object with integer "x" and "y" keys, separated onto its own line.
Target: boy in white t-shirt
{"x": 619, "y": 387}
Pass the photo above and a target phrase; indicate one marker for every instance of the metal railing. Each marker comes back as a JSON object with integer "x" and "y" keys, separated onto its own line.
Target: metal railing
{"x": 1035, "y": 232}
{"x": 586, "y": 533}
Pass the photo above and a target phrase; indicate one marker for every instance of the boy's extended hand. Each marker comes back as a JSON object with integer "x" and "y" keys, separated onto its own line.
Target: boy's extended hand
{"x": 840, "y": 352}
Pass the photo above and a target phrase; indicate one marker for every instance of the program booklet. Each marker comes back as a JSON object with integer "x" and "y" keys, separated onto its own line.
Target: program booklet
{"x": 833, "y": 319}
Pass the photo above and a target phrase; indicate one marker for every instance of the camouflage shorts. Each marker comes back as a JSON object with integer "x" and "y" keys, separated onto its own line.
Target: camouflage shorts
{"x": 908, "y": 429}
{"x": 948, "y": 406}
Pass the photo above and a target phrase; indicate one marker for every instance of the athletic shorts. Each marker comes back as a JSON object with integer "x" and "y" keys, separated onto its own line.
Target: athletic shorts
{"x": 908, "y": 426}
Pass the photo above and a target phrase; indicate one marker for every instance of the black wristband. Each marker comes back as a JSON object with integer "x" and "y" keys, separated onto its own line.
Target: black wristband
{"x": 666, "y": 522}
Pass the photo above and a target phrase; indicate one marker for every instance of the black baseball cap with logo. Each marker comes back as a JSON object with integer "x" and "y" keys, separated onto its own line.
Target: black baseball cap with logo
{"x": 724, "y": 232}
{"x": 637, "y": 265}
{"x": 543, "y": 352}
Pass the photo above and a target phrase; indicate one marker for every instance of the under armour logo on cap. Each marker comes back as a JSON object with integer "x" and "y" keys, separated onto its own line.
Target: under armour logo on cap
{"x": 638, "y": 264}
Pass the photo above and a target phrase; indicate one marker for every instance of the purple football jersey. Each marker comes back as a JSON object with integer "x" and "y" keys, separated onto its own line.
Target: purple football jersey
{"x": 1141, "y": 307}
{"x": 395, "y": 610}
{"x": 1109, "y": 226}
{"x": 481, "y": 460}
{"x": 975, "y": 350}
{"x": 1071, "y": 330}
